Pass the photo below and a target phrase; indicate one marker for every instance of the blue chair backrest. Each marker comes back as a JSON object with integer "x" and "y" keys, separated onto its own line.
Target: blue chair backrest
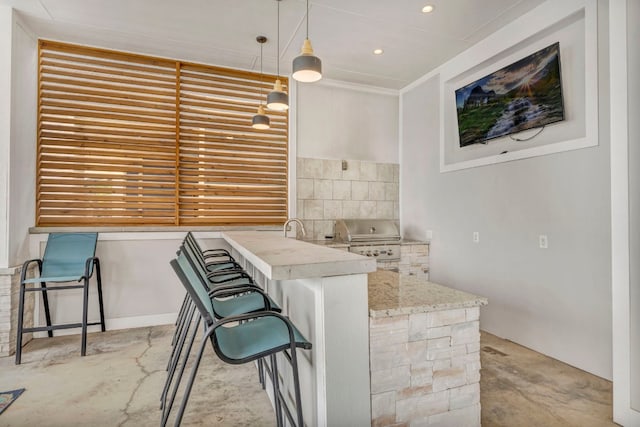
{"x": 191, "y": 253}
{"x": 192, "y": 281}
{"x": 66, "y": 254}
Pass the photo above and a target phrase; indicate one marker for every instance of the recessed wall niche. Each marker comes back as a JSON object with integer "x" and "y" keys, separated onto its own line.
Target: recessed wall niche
{"x": 575, "y": 30}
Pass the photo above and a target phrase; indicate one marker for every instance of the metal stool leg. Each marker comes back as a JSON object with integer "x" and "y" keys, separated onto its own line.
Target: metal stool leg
{"x": 189, "y": 386}
{"x": 85, "y": 304}
{"x": 175, "y": 355}
{"x": 47, "y": 311}
{"x": 296, "y": 385}
{"x": 276, "y": 390}
{"x": 20, "y": 325}
{"x": 100, "y": 302}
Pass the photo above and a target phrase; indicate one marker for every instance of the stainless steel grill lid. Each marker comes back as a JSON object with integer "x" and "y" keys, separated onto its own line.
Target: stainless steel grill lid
{"x": 367, "y": 230}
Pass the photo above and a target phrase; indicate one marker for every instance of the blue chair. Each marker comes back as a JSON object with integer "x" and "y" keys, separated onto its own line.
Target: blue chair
{"x": 233, "y": 298}
{"x": 237, "y": 340}
{"x": 68, "y": 257}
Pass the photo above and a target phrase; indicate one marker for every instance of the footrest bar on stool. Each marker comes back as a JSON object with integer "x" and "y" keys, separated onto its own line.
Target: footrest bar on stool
{"x": 54, "y": 327}
{"x": 53, "y": 288}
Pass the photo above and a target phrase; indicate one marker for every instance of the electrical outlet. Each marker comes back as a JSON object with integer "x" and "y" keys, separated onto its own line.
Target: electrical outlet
{"x": 429, "y": 235}
{"x": 544, "y": 242}
{"x": 476, "y": 237}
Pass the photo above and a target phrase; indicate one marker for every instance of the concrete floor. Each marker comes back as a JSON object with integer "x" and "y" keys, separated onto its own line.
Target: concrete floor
{"x": 118, "y": 383}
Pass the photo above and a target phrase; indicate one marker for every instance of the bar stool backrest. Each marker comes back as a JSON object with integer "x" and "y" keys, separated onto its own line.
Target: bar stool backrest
{"x": 66, "y": 254}
{"x": 195, "y": 287}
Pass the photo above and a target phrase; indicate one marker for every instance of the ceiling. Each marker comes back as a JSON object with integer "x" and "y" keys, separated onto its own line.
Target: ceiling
{"x": 222, "y": 32}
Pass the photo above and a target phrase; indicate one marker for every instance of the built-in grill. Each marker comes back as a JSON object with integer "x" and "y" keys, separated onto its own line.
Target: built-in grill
{"x": 379, "y": 238}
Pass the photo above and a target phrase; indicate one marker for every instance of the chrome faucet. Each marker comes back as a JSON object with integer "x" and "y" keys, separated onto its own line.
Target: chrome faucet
{"x": 296, "y": 220}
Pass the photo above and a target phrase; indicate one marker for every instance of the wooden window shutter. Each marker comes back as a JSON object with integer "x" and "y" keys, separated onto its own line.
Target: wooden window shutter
{"x": 127, "y": 139}
{"x": 230, "y": 173}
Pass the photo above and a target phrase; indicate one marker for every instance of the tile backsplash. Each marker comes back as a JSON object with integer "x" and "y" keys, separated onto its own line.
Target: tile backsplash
{"x": 325, "y": 192}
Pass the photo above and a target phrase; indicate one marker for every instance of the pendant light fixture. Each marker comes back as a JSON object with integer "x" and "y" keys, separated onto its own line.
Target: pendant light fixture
{"x": 307, "y": 67}
{"x": 260, "y": 120}
{"x": 277, "y": 99}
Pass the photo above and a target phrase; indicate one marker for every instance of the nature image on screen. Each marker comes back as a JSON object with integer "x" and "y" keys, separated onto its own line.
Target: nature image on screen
{"x": 526, "y": 94}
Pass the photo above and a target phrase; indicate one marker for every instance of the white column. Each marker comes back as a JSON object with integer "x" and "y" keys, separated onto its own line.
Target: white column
{"x": 6, "y": 26}
{"x": 620, "y": 280}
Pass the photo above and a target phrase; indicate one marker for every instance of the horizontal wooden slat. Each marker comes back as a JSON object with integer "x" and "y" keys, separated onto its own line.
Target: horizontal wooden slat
{"x": 168, "y": 212}
{"x": 152, "y": 107}
{"x": 49, "y": 89}
{"x": 48, "y": 221}
{"x": 104, "y": 75}
{"x": 145, "y": 87}
{"x": 80, "y": 123}
{"x": 142, "y": 150}
{"x": 46, "y": 136}
{"x": 85, "y": 112}
{"x": 279, "y": 220}
{"x": 50, "y": 61}
{"x": 105, "y": 167}
{"x": 188, "y": 77}
{"x": 214, "y": 122}
{"x": 240, "y": 138}
{"x": 102, "y": 131}
{"x": 91, "y": 197}
{"x": 106, "y": 205}
{"x": 107, "y": 57}
{"x": 91, "y": 108}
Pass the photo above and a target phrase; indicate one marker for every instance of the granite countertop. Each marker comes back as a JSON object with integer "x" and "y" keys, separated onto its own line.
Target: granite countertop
{"x": 392, "y": 294}
{"x": 282, "y": 258}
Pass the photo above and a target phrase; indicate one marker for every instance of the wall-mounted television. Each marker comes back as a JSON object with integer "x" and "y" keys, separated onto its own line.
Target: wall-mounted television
{"x": 524, "y": 95}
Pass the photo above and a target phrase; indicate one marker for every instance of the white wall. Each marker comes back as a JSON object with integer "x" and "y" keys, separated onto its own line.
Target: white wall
{"x": 342, "y": 121}
{"x": 6, "y": 28}
{"x": 633, "y": 81}
{"x": 23, "y": 141}
{"x": 556, "y": 301}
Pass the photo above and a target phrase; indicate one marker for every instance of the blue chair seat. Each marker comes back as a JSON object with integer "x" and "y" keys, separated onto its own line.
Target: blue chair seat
{"x": 242, "y": 304}
{"x": 253, "y": 339}
{"x": 53, "y": 279}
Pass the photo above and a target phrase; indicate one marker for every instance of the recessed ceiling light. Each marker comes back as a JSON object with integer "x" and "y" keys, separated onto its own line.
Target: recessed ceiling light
{"x": 427, "y": 9}
{"x": 378, "y": 51}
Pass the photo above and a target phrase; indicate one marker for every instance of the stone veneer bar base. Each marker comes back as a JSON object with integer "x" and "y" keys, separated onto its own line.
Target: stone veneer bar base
{"x": 424, "y": 353}
{"x": 425, "y": 369}
{"x": 9, "y": 295}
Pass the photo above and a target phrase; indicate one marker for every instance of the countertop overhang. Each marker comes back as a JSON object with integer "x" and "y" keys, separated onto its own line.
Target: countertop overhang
{"x": 393, "y": 294}
{"x": 281, "y": 258}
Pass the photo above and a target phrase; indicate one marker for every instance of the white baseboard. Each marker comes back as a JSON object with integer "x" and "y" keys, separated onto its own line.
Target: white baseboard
{"x": 120, "y": 323}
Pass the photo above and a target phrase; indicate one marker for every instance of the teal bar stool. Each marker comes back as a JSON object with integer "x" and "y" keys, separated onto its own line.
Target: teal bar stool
{"x": 237, "y": 340}
{"x": 68, "y": 257}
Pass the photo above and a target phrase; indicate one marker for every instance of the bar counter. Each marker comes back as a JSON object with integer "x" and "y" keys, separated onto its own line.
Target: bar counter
{"x": 324, "y": 293}
{"x": 424, "y": 351}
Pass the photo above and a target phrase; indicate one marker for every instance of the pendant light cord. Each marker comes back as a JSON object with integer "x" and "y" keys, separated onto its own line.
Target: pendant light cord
{"x": 307, "y": 19}
{"x": 278, "y": 42}
{"x": 261, "y": 45}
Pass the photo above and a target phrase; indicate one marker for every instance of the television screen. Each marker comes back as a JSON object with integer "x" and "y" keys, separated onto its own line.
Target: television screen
{"x": 524, "y": 95}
